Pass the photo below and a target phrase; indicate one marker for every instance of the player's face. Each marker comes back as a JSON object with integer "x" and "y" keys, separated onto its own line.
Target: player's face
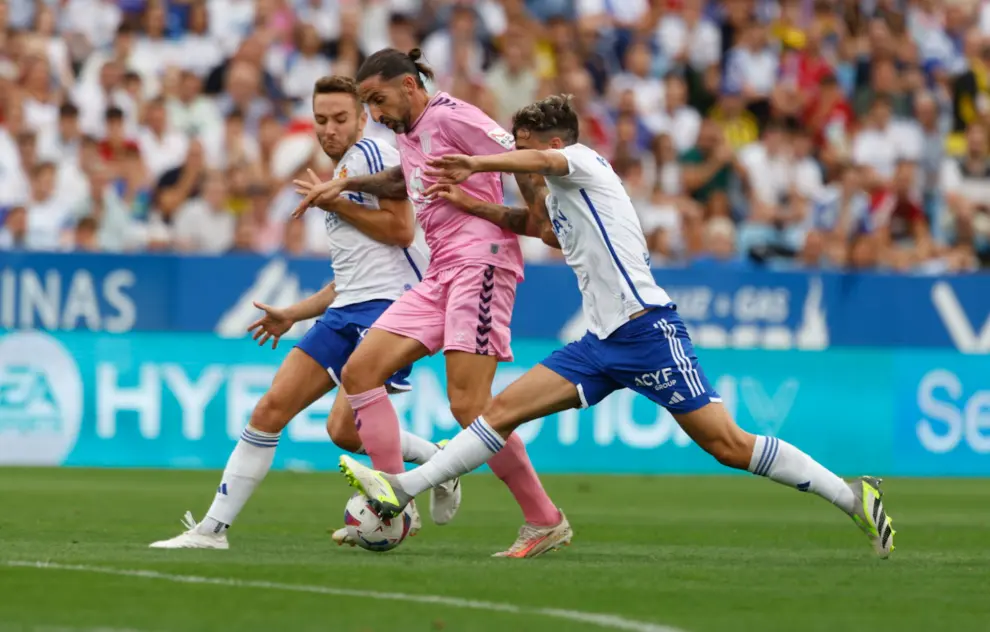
{"x": 339, "y": 120}
{"x": 389, "y": 101}
{"x": 528, "y": 140}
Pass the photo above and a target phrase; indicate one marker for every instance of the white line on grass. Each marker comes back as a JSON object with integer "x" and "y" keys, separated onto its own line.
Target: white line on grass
{"x": 610, "y": 621}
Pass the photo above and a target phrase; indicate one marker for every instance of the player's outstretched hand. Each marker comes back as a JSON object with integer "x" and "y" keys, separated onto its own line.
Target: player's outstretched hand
{"x": 452, "y": 169}
{"x": 273, "y": 324}
{"x": 316, "y": 192}
{"x": 453, "y": 194}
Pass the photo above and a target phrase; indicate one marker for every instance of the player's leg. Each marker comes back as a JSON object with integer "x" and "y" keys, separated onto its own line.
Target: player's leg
{"x": 476, "y": 337}
{"x": 408, "y": 330}
{"x": 679, "y": 384}
{"x": 469, "y": 384}
{"x": 340, "y": 427}
{"x": 569, "y": 378}
{"x": 538, "y": 393}
{"x": 299, "y": 382}
{"x": 343, "y": 433}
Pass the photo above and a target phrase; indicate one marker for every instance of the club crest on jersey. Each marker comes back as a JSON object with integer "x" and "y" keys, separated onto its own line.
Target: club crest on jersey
{"x": 502, "y": 137}
{"x": 343, "y": 173}
{"x": 424, "y": 143}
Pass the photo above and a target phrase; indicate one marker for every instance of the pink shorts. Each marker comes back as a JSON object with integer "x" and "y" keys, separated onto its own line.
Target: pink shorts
{"x": 458, "y": 309}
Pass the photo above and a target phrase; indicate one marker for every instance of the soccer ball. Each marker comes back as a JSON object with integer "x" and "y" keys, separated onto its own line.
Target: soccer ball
{"x": 372, "y": 532}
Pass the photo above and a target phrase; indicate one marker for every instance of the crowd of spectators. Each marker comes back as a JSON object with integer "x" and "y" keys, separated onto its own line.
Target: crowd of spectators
{"x": 839, "y": 134}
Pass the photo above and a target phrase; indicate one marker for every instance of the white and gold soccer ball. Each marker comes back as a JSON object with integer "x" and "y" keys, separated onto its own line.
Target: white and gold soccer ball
{"x": 370, "y": 531}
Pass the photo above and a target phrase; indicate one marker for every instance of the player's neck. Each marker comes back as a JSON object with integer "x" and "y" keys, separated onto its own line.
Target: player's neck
{"x": 417, "y": 104}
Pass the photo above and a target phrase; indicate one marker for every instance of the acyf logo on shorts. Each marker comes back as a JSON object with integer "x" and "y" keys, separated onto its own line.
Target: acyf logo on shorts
{"x": 40, "y": 400}
{"x": 658, "y": 380}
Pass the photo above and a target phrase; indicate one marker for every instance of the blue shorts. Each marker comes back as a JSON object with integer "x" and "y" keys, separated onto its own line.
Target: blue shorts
{"x": 651, "y": 355}
{"x": 334, "y": 336}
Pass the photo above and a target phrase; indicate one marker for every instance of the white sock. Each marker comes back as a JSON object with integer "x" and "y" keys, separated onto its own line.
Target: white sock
{"x": 246, "y": 468}
{"x": 415, "y": 449}
{"x": 781, "y": 462}
{"x": 470, "y": 449}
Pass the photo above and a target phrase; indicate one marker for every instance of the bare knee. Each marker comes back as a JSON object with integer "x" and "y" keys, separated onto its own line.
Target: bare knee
{"x": 271, "y": 414}
{"x": 466, "y": 405}
{"x": 499, "y": 417}
{"x": 359, "y": 375}
{"x": 340, "y": 427}
{"x": 732, "y": 449}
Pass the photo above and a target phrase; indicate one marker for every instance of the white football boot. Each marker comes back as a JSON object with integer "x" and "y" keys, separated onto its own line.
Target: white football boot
{"x": 445, "y": 498}
{"x": 193, "y": 538}
{"x": 342, "y": 536}
{"x": 534, "y": 541}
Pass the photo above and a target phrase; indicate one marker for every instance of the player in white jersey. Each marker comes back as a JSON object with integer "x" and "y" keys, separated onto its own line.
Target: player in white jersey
{"x": 375, "y": 258}
{"x": 636, "y": 339}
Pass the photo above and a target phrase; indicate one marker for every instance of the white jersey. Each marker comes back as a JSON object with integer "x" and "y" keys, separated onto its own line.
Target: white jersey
{"x": 602, "y": 240}
{"x": 364, "y": 269}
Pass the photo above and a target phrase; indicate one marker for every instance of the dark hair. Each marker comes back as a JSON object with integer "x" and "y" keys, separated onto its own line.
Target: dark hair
{"x": 389, "y": 63}
{"x": 68, "y": 109}
{"x": 114, "y": 113}
{"x": 87, "y": 223}
{"x": 552, "y": 114}
{"x": 335, "y": 84}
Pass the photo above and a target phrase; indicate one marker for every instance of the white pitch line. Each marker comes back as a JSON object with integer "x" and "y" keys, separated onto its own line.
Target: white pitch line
{"x": 610, "y": 621}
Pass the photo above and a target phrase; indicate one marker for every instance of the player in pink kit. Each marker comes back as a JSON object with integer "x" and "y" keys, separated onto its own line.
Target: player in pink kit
{"x": 464, "y": 303}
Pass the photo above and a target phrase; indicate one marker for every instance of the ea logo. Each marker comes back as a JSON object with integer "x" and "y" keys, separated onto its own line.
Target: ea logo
{"x": 41, "y": 400}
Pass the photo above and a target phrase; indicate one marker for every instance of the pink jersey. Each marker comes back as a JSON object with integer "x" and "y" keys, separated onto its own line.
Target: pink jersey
{"x": 451, "y": 126}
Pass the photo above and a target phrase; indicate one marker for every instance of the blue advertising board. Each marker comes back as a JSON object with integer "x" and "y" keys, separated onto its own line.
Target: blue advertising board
{"x": 181, "y": 400}
{"x": 725, "y": 307}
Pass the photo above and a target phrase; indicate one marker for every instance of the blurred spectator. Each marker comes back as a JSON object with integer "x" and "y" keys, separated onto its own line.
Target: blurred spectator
{"x": 838, "y": 213}
{"x": 882, "y": 142}
{"x": 966, "y": 184}
{"x": 205, "y": 224}
{"x": 162, "y": 148}
{"x": 47, "y": 214}
{"x": 751, "y": 70}
{"x": 688, "y": 37}
{"x": 782, "y": 179}
{"x": 903, "y": 237}
{"x": 13, "y": 234}
{"x": 638, "y": 78}
{"x": 85, "y": 236}
{"x": 306, "y": 65}
{"x": 190, "y": 112}
{"x": 511, "y": 81}
{"x": 678, "y": 119}
{"x": 198, "y": 51}
{"x": 707, "y": 170}
{"x": 123, "y": 125}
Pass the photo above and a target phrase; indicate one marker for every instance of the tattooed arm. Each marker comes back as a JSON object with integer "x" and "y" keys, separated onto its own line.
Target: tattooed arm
{"x": 521, "y": 221}
{"x": 534, "y": 190}
{"x": 389, "y": 184}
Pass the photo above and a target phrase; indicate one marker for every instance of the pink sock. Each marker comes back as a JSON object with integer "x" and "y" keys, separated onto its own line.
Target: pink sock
{"x": 378, "y": 427}
{"x": 512, "y": 465}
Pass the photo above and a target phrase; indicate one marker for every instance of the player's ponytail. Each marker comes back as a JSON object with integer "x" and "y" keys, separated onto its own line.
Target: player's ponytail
{"x": 415, "y": 55}
{"x": 389, "y": 63}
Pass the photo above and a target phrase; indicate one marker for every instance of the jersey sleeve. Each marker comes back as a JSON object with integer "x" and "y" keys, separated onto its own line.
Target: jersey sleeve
{"x": 475, "y": 134}
{"x": 582, "y": 164}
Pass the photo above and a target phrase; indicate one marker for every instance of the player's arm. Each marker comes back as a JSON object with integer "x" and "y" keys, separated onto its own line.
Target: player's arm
{"x": 313, "y": 306}
{"x": 276, "y": 321}
{"x": 386, "y": 184}
{"x": 389, "y": 184}
{"x": 455, "y": 169}
{"x": 530, "y": 222}
{"x": 392, "y": 223}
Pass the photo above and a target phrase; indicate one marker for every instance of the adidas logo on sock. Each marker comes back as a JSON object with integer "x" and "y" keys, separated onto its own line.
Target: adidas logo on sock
{"x": 677, "y": 398}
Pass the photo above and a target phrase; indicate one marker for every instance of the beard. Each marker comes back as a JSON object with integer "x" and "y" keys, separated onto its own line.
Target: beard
{"x": 401, "y": 124}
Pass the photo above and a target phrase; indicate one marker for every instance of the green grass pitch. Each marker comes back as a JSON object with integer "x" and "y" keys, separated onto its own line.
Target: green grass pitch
{"x": 660, "y": 554}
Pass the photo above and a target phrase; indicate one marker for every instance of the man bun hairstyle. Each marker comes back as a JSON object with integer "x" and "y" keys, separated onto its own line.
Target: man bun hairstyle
{"x": 553, "y": 115}
{"x": 389, "y": 63}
